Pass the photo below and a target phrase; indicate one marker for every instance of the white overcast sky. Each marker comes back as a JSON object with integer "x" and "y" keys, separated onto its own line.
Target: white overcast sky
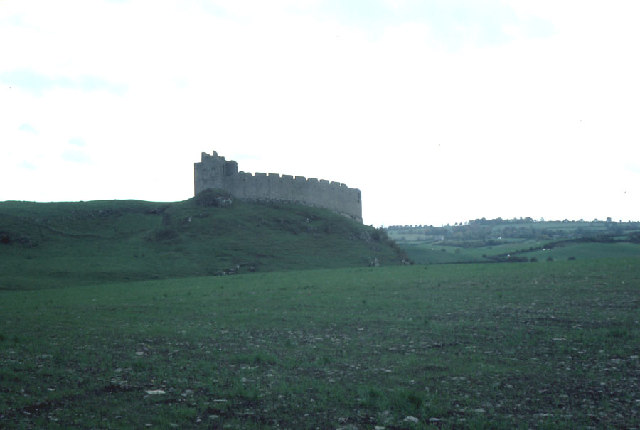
{"x": 440, "y": 111}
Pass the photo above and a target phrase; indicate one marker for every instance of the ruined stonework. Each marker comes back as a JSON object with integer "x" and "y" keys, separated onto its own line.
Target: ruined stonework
{"x": 214, "y": 171}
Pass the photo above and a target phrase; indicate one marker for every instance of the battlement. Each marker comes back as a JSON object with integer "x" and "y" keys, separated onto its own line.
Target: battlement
{"x": 214, "y": 171}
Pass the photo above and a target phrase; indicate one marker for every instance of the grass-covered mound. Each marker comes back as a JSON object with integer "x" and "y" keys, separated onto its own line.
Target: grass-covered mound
{"x": 59, "y": 244}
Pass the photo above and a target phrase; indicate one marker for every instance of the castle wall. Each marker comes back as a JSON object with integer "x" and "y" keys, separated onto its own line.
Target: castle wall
{"x": 214, "y": 171}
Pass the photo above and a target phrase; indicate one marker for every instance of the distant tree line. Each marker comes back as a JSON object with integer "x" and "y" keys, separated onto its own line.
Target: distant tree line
{"x": 498, "y": 229}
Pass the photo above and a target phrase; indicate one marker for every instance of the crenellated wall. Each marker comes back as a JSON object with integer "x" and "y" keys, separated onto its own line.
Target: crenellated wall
{"x": 214, "y": 171}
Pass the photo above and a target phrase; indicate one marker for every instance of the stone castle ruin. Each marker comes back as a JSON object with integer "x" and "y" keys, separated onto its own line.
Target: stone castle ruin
{"x": 214, "y": 171}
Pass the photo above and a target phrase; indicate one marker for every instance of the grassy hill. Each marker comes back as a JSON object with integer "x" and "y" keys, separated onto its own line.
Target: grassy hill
{"x": 407, "y": 347}
{"x": 61, "y": 244}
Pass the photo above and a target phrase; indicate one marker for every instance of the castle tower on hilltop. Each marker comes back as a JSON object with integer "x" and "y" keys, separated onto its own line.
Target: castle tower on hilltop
{"x": 214, "y": 171}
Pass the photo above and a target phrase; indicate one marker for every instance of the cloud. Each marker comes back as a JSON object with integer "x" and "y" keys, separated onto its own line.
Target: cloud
{"x": 478, "y": 108}
{"x": 452, "y": 25}
{"x": 76, "y": 152}
{"x": 37, "y": 83}
{"x": 76, "y": 141}
{"x": 633, "y": 168}
{"x": 75, "y": 156}
{"x": 27, "y": 165}
{"x": 27, "y": 128}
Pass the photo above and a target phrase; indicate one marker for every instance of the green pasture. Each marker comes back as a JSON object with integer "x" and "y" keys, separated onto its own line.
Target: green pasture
{"x": 439, "y": 346}
{"x": 586, "y": 250}
{"x": 498, "y": 240}
{"x": 80, "y": 243}
{"x": 434, "y": 253}
{"x": 437, "y": 253}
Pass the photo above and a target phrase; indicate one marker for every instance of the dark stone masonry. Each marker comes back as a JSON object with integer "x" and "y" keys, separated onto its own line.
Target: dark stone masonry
{"x": 214, "y": 171}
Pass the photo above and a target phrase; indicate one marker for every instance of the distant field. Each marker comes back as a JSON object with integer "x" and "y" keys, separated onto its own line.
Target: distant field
{"x": 439, "y": 346}
{"x": 587, "y": 251}
{"x": 434, "y": 253}
{"x": 490, "y": 241}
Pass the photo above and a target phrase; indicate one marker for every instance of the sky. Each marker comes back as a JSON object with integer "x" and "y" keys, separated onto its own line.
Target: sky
{"x": 439, "y": 111}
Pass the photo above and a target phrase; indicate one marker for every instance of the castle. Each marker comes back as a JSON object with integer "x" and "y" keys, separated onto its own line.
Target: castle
{"x": 214, "y": 171}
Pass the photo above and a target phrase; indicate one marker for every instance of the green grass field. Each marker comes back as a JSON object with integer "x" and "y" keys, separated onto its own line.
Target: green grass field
{"x": 45, "y": 245}
{"x": 438, "y": 346}
{"x": 512, "y": 241}
{"x": 427, "y": 253}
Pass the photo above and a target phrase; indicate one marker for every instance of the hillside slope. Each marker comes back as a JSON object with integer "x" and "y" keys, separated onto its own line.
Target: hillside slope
{"x": 58, "y": 244}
